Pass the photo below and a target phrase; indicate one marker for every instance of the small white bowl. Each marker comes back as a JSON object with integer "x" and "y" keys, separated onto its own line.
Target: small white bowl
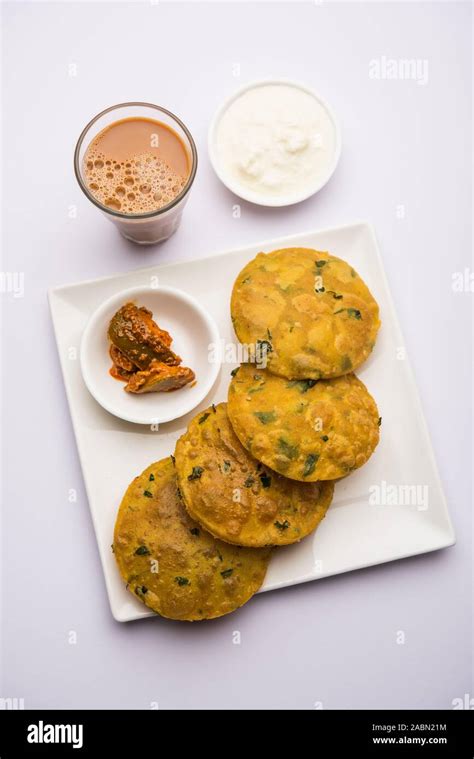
{"x": 193, "y": 330}
{"x": 268, "y": 200}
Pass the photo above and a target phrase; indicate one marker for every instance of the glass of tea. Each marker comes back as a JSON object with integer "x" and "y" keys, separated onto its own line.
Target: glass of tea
{"x": 137, "y": 162}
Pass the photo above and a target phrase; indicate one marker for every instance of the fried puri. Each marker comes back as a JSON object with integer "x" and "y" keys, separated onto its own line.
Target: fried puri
{"x": 306, "y": 430}
{"x": 310, "y": 313}
{"x": 235, "y": 497}
{"x": 170, "y": 563}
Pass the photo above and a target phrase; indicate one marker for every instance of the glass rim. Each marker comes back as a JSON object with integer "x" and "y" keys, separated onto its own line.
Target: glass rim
{"x": 148, "y": 214}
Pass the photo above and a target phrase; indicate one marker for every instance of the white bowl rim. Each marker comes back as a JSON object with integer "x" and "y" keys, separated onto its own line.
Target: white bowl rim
{"x": 238, "y": 189}
{"x": 133, "y": 292}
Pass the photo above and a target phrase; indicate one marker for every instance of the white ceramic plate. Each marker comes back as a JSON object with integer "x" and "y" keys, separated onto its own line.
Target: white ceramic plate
{"x": 391, "y": 508}
{"x": 259, "y": 198}
{"x": 195, "y": 336}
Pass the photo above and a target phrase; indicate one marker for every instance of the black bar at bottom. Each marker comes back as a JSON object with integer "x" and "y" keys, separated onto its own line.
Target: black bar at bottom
{"x": 58, "y": 733}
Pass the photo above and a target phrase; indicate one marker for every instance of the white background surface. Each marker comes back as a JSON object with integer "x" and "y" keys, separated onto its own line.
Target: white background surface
{"x": 332, "y": 642}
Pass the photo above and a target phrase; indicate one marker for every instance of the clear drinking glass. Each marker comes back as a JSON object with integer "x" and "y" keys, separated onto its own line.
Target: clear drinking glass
{"x": 153, "y": 226}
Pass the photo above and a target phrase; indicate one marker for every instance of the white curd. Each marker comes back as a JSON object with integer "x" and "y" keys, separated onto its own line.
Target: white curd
{"x": 276, "y": 141}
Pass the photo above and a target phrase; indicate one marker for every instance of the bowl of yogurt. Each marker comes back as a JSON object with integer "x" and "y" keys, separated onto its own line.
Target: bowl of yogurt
{"x": 274, "y": 142}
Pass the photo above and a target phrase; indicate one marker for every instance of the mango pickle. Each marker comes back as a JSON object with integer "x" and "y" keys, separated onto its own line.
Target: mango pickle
{"x": 133, "y": 331}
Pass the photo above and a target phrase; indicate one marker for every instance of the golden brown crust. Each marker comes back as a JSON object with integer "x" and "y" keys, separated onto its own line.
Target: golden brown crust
{"x": 170, "y": 563}
{"x": 304, "y": 429}
{"x": 235, "y": 497}
{"x": 312, "y": 310}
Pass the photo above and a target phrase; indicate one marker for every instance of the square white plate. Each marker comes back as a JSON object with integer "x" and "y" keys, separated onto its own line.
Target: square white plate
{"x": 391, "y": 508}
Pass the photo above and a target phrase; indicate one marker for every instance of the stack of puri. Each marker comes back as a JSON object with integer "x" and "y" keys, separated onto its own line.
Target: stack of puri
{"x": 257, "y": 473}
